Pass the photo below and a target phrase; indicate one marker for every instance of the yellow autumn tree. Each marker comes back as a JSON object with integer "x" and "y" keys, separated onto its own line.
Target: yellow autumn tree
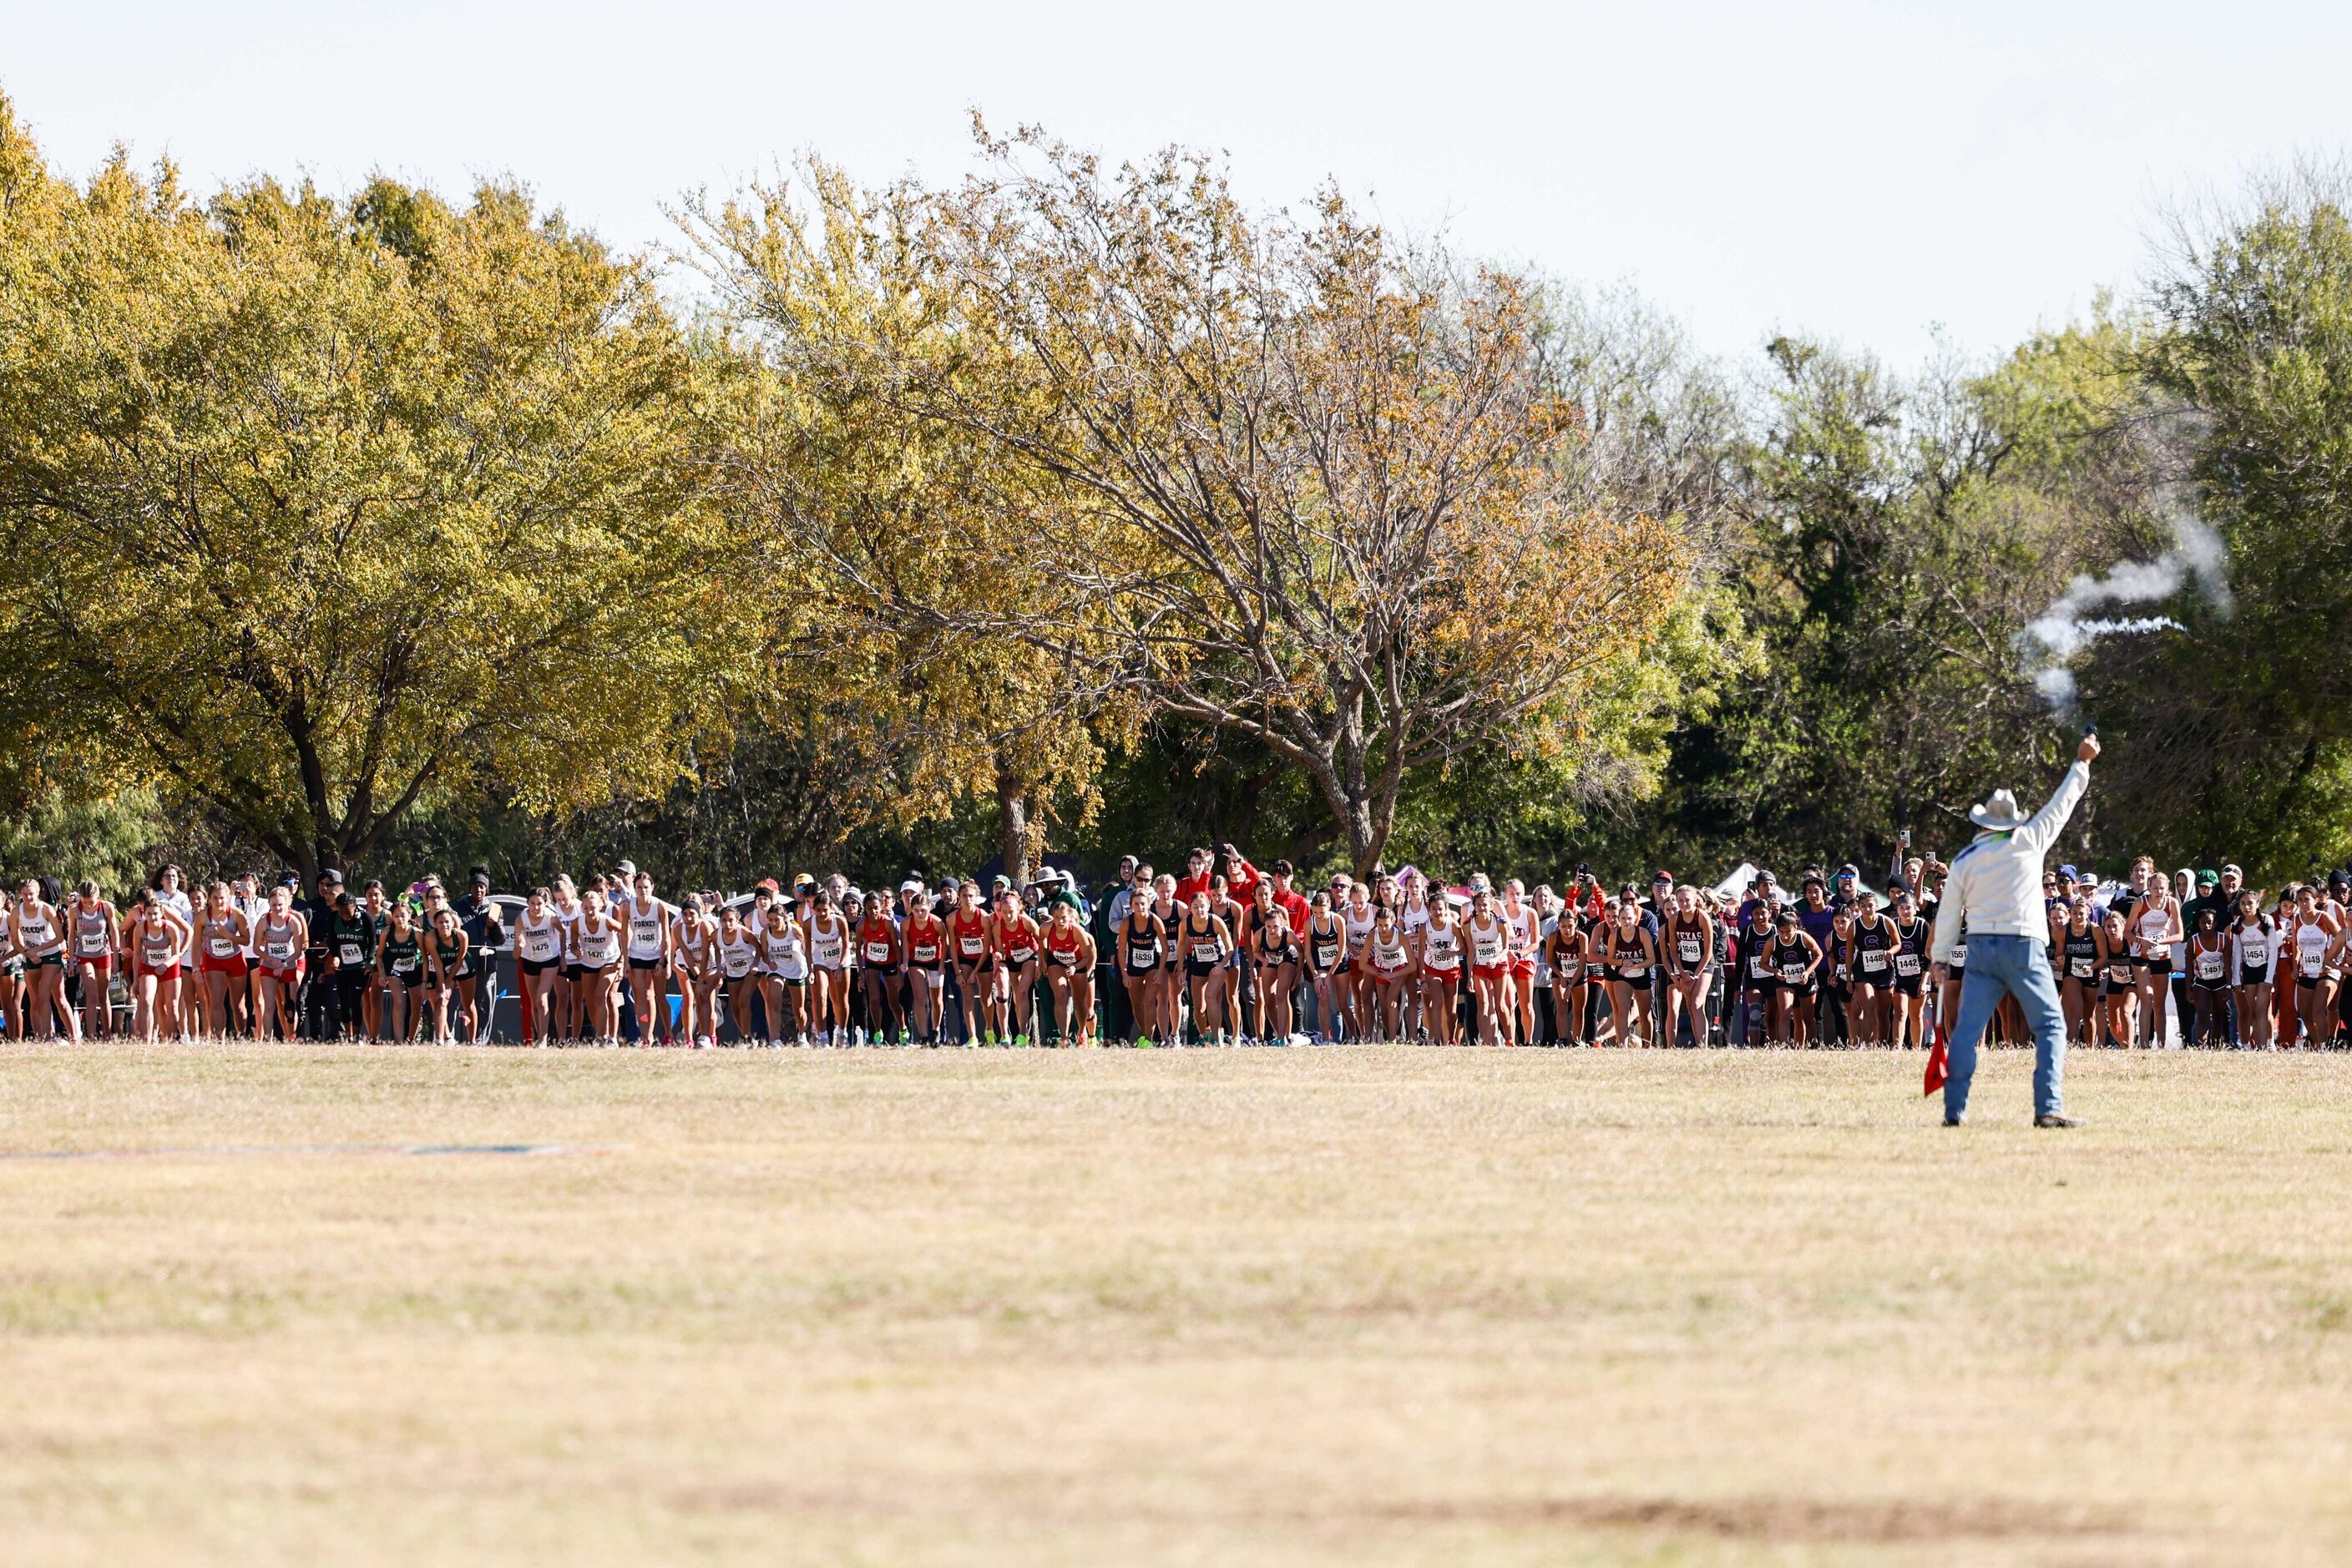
{"x": 1281, "y": 477}
{"x": 321, "y": 510}
{"x": 887, "y": 537}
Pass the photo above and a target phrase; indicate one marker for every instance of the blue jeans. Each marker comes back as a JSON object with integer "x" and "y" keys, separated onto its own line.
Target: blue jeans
{"x": 2019, "y": 965}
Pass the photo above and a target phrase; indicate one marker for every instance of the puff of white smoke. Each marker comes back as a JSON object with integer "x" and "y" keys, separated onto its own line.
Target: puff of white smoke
{"x": 2197, "y": 558}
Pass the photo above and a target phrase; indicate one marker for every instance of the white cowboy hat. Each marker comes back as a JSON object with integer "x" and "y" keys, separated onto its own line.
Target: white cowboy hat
{"x": 1998, "y": 813}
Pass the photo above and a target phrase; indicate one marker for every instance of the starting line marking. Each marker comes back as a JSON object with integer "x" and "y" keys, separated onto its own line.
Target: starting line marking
{"x": 291, "y": 1149}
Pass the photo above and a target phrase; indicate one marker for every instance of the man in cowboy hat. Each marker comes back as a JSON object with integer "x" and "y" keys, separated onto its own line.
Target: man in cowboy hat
{"x": 1994, "y": 889}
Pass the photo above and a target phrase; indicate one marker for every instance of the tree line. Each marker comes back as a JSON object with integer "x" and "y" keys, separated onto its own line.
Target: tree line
{"x": 1076, "y": 508}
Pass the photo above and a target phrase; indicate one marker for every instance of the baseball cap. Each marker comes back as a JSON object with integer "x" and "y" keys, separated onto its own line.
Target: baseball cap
{"x": 625, "y": 868}
{"x": 2209, "y": 878}
{"x": 1850, "y": 870}
{"x": 911, "y": 886}
{"x": 1663, "y": 878}
{"x": 803, "y": 880}
{"x": 2070, "y": 874}
{"x": 331, "y": 875}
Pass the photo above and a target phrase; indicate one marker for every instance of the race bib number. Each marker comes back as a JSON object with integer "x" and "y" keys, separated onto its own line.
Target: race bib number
{"x": 222, "y": 947}
{"x": 2084, "y": 968}
{"x": 404, "y": 963}
{"x": 877, "y": 952}
{"x": 1906, "y": 964}
{"x": 1691, "y": 949}
{"x": 351, "y": 953}
{"x": 1960, "y": 954}
{"x": 1794, "y": 973}
{"x": 1873, "y": 960}
{"x": 2209, "y": 966}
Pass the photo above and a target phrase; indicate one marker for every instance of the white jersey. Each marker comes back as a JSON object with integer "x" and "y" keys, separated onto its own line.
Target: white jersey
{"x": 598, "y": 949}
{"x": 1360, "y": 929}
{"x": 1441, "y": 946}
{"x": 781, "y": 953}
{"x": 541, "y": 942}
{"x": 567, "y": 922}
{"x": 646, "y": 923}
{"x": 1489, "y": 944}
{"x": 827, "y": 949}
{"x": 251, "y": 910}
{"x": 739, "y": 957}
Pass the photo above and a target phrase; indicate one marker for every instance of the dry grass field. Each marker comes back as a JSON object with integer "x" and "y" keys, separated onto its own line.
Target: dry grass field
{"x": 1350, "y": 1307}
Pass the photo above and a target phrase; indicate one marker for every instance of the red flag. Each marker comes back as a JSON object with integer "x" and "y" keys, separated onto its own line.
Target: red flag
{"x": 1938, "y": 1070}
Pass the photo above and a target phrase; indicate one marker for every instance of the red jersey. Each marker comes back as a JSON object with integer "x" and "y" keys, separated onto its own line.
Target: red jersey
{"x": 877, "y": 943}
{"x": 968, "y": 939}
{"x": 1294, "y": 905}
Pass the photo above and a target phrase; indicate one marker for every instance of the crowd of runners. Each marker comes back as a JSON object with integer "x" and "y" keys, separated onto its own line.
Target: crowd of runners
{"x": 1222, "y": 954}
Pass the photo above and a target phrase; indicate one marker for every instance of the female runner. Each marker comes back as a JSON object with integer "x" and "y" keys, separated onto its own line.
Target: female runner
{"x": 739, "y": 963}
{"x": 784, "y": 964}
{"x": 925, "y": 938}
{"x": 2156, "y": 926}
{"x": 1564, "y": 951}
{"x": 280, "y": 944}
{"x": 2082, "y": 958}
{"x": 1273, "y": 962}
{"x": 975, "y": 965}
{"x": 223, "y": 935}
{"x": 2207, "y": 959}
{"x": 1489, "y": 942}
{"x": 1797, "y": 960}
{"x": 1228, "y": 909}
{"x": 1356, "y": 985}
{"x": 878, "y": 967}
{"x": 1012, "y": 937}
{"x": 1326, "y": 949}
{"x": 2253, "y": 944}
{"x": 1873, "y": 964}
{"x": 1631, "y": 953}
{"x": 1438, "y": 960}
{"x": 1205, "y": 943}
{"x": 539, "y": 953}
{"x": 650, "y": 936}
{"x": 2118, "y": 983}
{"x": 400, "y": 975}
{"x": 696, "y": 962}
{"x": 2317, "y": 929}
{"x": 1522, "y": 926}
{"x": 1690, "y": 965}
{"x": 97, "y": 931}
{"x": 1908, "y": 1015}
{"x": 1070, "y": 969}
{"x": 1390, "y": 960}
{"x": 155, "y": 941}
{"x": 828, "y": 948}
{"x": 1172, "y": 980}
{"x": 1142, "y": 944}
{"x": 602, "y": 934}
{"x": 448, "y": 959}
{"x": 38, "y": 932}
{"x": 571, "y": 1020}
{"x": 1273, "y": 965}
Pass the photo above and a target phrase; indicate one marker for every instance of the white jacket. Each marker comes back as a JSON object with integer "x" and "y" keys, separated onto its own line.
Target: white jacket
{"x": 1996, "y": 883}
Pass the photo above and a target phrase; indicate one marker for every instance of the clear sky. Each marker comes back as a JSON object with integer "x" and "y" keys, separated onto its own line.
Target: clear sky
{"x": 1864, "y": 170}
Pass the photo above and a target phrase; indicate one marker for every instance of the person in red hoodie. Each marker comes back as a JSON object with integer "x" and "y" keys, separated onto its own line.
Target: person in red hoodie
{"x": 1240, "y": 877}
{"x": 1195, "y": 880}
{"x": 1287, "y": 899}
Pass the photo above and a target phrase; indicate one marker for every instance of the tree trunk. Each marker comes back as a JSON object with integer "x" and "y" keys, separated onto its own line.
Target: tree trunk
{"x": 1013, "y": 827}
